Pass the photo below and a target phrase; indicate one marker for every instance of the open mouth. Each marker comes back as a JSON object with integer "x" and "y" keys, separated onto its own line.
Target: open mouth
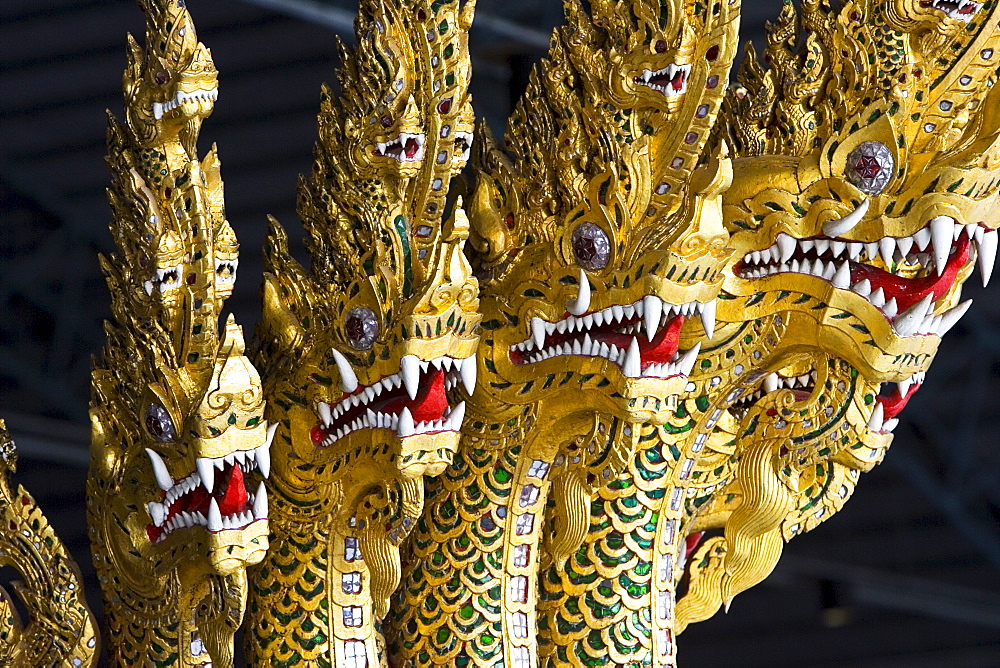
{"x": 164, "y": 279}
{"x": 902, "y": 277}
{"x": 463, "y": 146}
{"x": 641, "y": 338}
{"x": 160, "y": 108}
{"x": 214, "y": 496}
{"x": 404, "y": 148}
{"x": 225, "y": 271}
{"x": 671, "y": 80}
{"x": 411, "y": 402}
{"x": 962, "y": 10}
{"x": 891, "y": 400}
{"x": 802, "y": 386}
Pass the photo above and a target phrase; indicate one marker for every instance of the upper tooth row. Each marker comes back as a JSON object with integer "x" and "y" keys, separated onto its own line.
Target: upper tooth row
{"x": 409, "y": 376}
{"x": 775, "y": 382}
{"x": 939, "y": 235}
{"x": 402, "y": 424}
{"x": 215, "y": 521}
{"x": 905, "y": 385}
{"x": 165, "y": 279}
{"x": 629, "y": 360}
{"x": 956, "y": 12}
{"x": 180, "y": 98}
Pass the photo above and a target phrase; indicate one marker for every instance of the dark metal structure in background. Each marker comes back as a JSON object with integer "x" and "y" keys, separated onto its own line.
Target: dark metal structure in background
{"x": 907, "y": 575}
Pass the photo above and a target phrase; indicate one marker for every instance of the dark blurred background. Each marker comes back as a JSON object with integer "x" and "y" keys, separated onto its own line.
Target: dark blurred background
{"x": 907, "y": 575}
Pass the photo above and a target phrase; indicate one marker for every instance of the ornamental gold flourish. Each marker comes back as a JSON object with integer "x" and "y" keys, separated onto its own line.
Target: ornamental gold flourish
{"x": 363, "y": 356}
{"x": 176, "y": 408}
{"x": 60, "y": 628}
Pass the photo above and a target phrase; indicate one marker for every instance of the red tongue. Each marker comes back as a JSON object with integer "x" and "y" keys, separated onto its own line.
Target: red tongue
{"x": 893, "y": 404}
{"x": 411, "y": 147}
{"x": 432, "y": 404}
{"x": 664, "y": 346}
{"x": 678, "y": 81}
{"x": 909, "y": 291}
{"x": 235, "y": 498}
{"x": 691, "y": 542}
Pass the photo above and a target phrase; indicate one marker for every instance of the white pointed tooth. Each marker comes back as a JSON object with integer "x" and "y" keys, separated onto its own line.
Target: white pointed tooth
{"x": 877, "y": 417}
{"x": 605, "y": 351}
{"x": 887, "y": 247}
{"x": 796, "y": 267}
{"x": 904, "y": 386}
{"x": 214, "y": 520}
{"x": 821, "y": 245}
{"x": 871, "y": 249}
{"x": 807, "y": 245}
{"x": 163, "y": 478}
{"x": 755, "y": 257}
{"x": 951, "y": 316}
{"x": 206, "y": 471}
{"x": 263, "y": 452}
{"x": 369, "y": 394}
{"x": 406, "y": 427}
{"x": 468, "y": 371}
{"x": 786, "y": 246}
{"x": 979, "y": 232}
{"x": 854, "y": 250}
{"x": 987, "y": 255}
{"x": 686, "y": 363}
{"x": 877, "y": 298}
{"x": 348, "y": 379}
{"x": 904, "y": 245}
{"x": 409, "y": 369}
{"x": 632, "y": 366}
{"x": 942, "y": 228}
{"x": 708, "y": 318}
{"x": 921, "y": 238}
{"x": 819, "y": 268}
{"x": 891, "y": 308}
{"x": 908, "y": 322}
{"x": 771, "y": 382}
{"x": 842, "y": 278}
{"x": 835, "y": 228}
{"x": 889, "y": 425}
{"x": 157, "y": 512}
{"x": 260, "y": 502}
{"x": 970, "y": 229}
{"x": 456, "y": 416}
{"x": 577, "y": 347}
{"x": 830, "y": 270}
{"x": 652, "y": 309}
{"x": 629, "y": 311}
{"x": 581, "y": 304}
{"x": 863, "y": 287}
{"x": 837, "y": 247}
{"x": 324, "y": 413}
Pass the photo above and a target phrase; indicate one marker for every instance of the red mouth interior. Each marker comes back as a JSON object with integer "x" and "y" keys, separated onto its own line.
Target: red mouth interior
{"x": 397, "y": 149}
{"x": 229, "y": 492}
{"x": 951, "y": 6}
{"x": 664, "y": 79}
{"x": 430, "y": 404}
{"x": 660, "y": 350}
{"x": 893, "y": 403}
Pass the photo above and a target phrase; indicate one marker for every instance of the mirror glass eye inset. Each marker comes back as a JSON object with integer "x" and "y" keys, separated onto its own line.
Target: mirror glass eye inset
{"x": 159, "y": 424}
{"x": 361, "y": 328}
{"x": 591, "y": 246}
{"x": 870, "y": 166}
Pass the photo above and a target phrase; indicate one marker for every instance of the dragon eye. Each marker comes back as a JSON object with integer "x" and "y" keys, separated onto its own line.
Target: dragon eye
{"x": 361, "y": 327}
{"x": 161, "y": 78}
{"x": 870, "y": 166}
{"x": 591, "y": 246}
{"x": 159, "y": 424}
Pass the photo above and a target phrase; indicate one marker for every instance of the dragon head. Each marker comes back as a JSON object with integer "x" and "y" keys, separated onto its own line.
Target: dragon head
{"x": 598, "y": 230}
{"x": 385, "y": 324}
{"x": 170, "y": 85}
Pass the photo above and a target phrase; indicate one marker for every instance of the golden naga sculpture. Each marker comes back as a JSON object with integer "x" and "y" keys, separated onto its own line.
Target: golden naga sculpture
{"x": 687, "y": 319}
{"x": 362, "y": 355}
{"x": 175, "y": 507}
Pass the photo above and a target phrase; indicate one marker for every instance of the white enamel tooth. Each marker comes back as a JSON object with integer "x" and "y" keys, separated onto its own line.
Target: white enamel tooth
{"x": 830, "y": 270}
{"x": 214, "y": 520}
{"x": 904, "y": 386}
{"x": 786, "y": 246}
{"x": 617, "y": 312}
{"x": 842, "y": 278}
{"x": 686, "y": 363}
{"x": 980, "y": 231}
{"x": 904, "y": 245}
{"x": 406, "y": 426}
{"x": 771, "y": 383}
{"x": 877, "y": 298}
{"x": 324, "y": 413}
{"x": 157, "y": 512}
{"x": 921, "y": 238}
{"x": 819, "y": 268}
{"x": 260, "y": 502}
{"x": 577, "y": 347}
{"x": 371, "y": 418}
{"x": 807, "y": 245}
{"x": 941, "y": 238}
{"x": 348, "y": 379}
{"x": 863, "y": 287}
{"x": 708, "y": 318}
{"x": 586, "y": 322}
{"x": 986, "y": 255}
{"x": 889, "y": 425}
{"x": 457, "y": 416}
{"x": 629, "y": 311}
{"x": 652, "y": 309}
{"x": 581, "y": 304}
{"x": 821, "y": 245}
{"x": 410, "y": 371}
{"x": 748, "y": 259}
{"x": 957, "y": 231}
{"x": 887, "y": 248}
{"x": 206, "y": 471}
{"x": 163, "y": 478}
{"x": 908, "y": 322}
{"x": 890, "y": 309}
{"x": 438, "y": 362}
{"x": 836, "y": 228}
{"x": 561, "y": 326}
{"x": 871, "y": 249}
{"x": 468, "y": 371}
{"x": 632, "y": 366}
{"x": 263, "y": 452}
{"x": 952, "y": 316}
{"x": 877, "y": 417}
{"x": 854, "y": 250}
{"x": 157, "y": 110}
{"x": 369, "y": 394}
{"x": 795, "y": 267}
{"x": 755, "y": 257}
{"x": 837, "y": 247}
{"x": 588, "y": 345}
{"x": 424, "y": 364}
{"x": 604, "y": 350}
{"x": 970, "y": 229}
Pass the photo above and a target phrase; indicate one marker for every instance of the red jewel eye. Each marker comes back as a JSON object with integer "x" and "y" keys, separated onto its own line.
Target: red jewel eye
{"x": 161, "y": 78}
{"x": 159, "y": 424}
{"x": 361, "y": 328}
{"x": 591, "y": 246}
{"x": 386, "y": 122}
{"x": 444, "y": 106}
{"x": 712, "y": 53}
